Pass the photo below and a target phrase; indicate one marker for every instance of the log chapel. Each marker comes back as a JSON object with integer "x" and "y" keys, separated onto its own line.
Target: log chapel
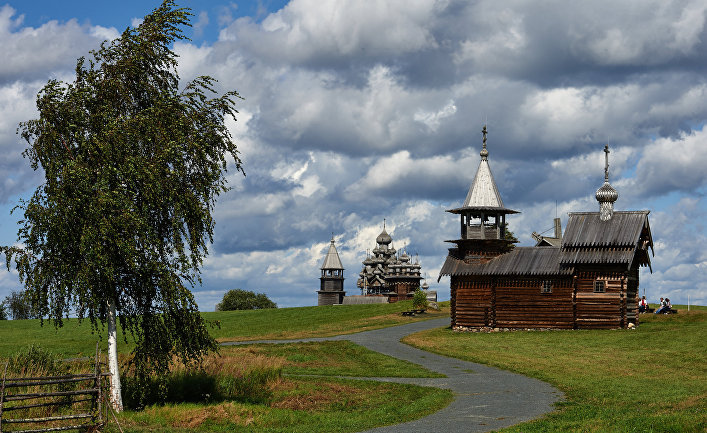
{"x": 585, "y": 278}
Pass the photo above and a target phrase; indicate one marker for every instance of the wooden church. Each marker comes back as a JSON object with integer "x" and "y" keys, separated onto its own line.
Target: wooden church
{"x": 588, "y": 279}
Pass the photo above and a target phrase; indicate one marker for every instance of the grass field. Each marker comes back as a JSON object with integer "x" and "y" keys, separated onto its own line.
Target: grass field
{"x": 651, "y": 379}
{"x": 305, "y": 322}
{"x": 332, "y": 358}
{"x": 298, "y": 405}
{"x": 290, "y": 403}
{"x": 77, "y": 339}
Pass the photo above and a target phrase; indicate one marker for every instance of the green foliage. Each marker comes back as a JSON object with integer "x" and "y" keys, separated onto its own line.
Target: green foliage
{"x": 132, "y": 167}
{"x": 244, "y": 300}
{"x": 509, "y": 236}
{"x": 19, "y": 306}
{"x": 419, "y": 300}
{"x": 35, "y": 359}
{"x": 3, "y": 312}
{"x": 199, "y": 386}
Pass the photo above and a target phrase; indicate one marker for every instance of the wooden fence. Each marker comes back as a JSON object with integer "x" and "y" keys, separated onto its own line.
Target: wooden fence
{"x": 54, "y": 403}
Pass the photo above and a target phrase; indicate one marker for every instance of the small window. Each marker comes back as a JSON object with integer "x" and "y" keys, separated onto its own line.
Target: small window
{"x": 546, "y": 287}
{"x": 599, "y": 287}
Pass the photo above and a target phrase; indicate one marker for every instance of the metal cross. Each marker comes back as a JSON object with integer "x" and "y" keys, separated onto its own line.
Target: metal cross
{"x": 606, "y": 162}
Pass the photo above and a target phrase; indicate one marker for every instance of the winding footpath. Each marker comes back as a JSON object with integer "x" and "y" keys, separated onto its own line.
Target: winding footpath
{"x": 486, "y": 398}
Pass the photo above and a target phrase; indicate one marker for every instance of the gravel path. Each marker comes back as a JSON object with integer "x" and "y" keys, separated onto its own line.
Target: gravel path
{"x": 486, "y": 398}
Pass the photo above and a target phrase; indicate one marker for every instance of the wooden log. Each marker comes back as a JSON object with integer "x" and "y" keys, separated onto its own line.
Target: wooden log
{"x": 47, "y": 419}
{"x": 53, "y": 429}
{"x": 49, "y": 403}
{"x": 18, "y": 397}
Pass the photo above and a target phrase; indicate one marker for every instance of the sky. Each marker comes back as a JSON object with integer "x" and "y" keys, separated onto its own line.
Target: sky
{"x": 359, "y": 111}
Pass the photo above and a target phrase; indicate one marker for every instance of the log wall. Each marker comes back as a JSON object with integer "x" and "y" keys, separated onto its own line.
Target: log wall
{"x": 471, "y": 302}
{"x": 508, "y": 302}
{"x": 521, "y": 304}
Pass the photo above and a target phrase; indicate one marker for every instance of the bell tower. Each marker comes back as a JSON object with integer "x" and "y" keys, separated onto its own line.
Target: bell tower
{"x": 331, "y": 288}
{"x": 482, "y": 217}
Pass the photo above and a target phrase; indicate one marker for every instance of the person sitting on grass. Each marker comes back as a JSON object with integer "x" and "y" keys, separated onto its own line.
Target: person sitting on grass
{"x": 668, "y": 306}
{"x": 642, "y": 305}
{"x": 664, "y": 306}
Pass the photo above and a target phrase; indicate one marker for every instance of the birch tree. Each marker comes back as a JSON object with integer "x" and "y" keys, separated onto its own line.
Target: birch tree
{"x": 132, "y": 166}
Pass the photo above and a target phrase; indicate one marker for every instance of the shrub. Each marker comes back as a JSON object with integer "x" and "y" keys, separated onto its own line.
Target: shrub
{"x": 239, "y": 378}
{"x": 34, "y": 361}
{"x": 239, "y": 299}
{"x": 419, "y": 300}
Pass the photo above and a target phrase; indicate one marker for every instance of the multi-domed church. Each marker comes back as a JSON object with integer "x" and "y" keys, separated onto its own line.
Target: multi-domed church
{"x": 584, "y": 278}
{"x": 385, "y": 273}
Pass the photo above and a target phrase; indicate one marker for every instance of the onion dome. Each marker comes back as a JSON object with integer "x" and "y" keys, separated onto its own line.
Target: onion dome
{"x": 384, "y": 238}
{"x": 606, "y": 194}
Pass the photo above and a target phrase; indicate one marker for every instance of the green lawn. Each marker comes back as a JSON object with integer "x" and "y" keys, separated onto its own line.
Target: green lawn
{"x": 305, "y": 405}
{"x": 77, "y": 339}
{"x": 333, "y": 358}
{"x": 652, "y": 379}
{"x": 295, "y": 403}
{"x": 304, "y": 322}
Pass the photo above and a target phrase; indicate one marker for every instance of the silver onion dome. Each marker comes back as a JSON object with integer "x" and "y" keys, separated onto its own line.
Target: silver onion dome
{"x": 606, "y": 194}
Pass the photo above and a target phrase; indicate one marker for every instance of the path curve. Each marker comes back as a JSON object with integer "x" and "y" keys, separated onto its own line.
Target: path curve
{"x": 485, "y": 398}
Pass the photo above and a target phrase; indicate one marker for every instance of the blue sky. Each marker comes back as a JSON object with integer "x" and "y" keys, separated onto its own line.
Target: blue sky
{"x": 359, "y": 111}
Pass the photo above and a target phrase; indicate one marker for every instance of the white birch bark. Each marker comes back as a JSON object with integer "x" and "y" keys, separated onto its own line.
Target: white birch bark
{"x": 115, "y": 395}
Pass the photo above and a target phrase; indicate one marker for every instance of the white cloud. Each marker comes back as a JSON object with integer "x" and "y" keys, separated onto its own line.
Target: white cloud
{"x": 39, "y": 52}
{"x": 673, "y": 164}
{"x": 307, "y": 29}
{"x": 358, "y": 111}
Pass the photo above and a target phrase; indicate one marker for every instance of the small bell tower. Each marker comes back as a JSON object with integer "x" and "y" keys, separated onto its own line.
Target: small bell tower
{"x": 331, "y": 288}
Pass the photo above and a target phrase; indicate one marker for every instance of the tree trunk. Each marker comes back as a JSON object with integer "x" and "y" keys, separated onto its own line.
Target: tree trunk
{"x": 115, "y": 395}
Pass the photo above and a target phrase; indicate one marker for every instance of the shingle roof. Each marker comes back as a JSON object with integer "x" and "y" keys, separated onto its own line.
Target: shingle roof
{"x": 332, "y": 260}
{"x": 598, "y": 255}
{"x": 483, "y": 191}
{"x": 519, "y": 261}
{"x": 585, "y": 229}
{"x": 588, "y": 239}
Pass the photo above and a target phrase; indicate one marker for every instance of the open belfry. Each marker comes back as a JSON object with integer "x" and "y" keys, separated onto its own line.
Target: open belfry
{"x": 584, "y": 278}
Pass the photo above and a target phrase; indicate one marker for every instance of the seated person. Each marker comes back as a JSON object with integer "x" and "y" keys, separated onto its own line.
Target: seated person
{"x": 662, "y": 306}
{"x": 642, "y": 305}
{"x": 668, "y": 306}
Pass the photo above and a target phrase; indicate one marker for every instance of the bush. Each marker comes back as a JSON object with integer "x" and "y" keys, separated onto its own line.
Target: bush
{"x": 34, "y": 361}
{"x": 419, "y": 300}
{"x": 244, "y": 378}
{"x": 244, "y": 300}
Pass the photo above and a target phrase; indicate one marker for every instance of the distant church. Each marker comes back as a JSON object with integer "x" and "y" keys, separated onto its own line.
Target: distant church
{"x": 582, "y": 279}
{"x": 387, "y": 274}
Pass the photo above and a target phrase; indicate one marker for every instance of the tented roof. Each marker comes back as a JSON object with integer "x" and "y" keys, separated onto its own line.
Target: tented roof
{"x": 332, "y": 260}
